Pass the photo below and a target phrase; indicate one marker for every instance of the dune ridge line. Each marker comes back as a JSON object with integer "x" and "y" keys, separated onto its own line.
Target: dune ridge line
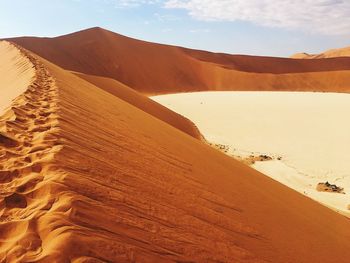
{"x": 28, "y": 143}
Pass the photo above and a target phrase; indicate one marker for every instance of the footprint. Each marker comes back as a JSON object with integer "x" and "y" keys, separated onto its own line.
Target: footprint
{"x": 15, "y": 201}
{"x": 7, "y": 141}
{"x": 7, "y": 176}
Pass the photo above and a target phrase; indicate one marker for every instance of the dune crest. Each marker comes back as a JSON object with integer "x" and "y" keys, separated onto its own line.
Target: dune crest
{"x": 16, "y": 73}
{"x": 28, "y": 143}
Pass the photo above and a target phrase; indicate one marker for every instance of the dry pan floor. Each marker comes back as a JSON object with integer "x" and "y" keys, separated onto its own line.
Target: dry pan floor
{"x": 300, "y": 139}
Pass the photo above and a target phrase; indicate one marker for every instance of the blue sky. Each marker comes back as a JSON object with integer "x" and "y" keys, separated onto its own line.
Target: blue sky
{"x": 257, "y": 27}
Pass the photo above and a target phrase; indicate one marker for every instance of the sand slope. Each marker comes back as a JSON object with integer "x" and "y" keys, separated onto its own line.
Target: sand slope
{"x": 87, "y": 177}
{"x": 143, "y": 103}
{"x": 157, "y": 69}
{"x": 332, "y": 53}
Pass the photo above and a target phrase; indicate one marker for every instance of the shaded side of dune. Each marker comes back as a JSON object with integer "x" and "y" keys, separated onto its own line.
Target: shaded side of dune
{"x": 106, "y": 182}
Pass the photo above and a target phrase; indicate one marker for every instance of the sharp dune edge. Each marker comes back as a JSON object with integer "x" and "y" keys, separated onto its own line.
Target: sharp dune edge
{"x": 16, "y": 73}
{"x": 88, "y": 177}
{"x": 143, "y": 103}
{"x": 159, "y": 69}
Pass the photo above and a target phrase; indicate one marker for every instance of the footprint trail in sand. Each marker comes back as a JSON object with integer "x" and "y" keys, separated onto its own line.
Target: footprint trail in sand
{"x": 28, "y": 142}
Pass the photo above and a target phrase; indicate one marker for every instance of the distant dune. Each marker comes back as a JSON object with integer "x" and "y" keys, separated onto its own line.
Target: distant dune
{"x": 88, "y": 177}
{"x": 157, "y": 69}
{"x": 332, "y": 53}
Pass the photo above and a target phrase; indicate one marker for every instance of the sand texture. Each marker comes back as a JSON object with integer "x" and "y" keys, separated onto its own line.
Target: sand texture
{"x": 88, "y": 177}
{"x": 158, "y": 69}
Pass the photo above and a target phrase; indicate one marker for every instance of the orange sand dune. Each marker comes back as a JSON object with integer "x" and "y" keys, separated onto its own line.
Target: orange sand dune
{"x": 145, "y": 104}
{"x": 157, "y": 69}
{"x": 332, "y": 53}
{"x": 88, "y": 177}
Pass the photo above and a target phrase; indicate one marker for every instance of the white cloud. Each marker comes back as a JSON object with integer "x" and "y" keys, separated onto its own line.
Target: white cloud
{"x": 134, "y": 3}
{"x": 329, "y": 17}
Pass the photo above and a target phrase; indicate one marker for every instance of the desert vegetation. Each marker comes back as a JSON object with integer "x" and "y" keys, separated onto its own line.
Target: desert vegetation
{"x": 327, "y": 187}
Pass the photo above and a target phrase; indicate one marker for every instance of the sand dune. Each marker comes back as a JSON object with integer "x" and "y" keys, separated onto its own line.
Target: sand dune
{"x": 87, "y": 177}
{"x": 143, "y": 103}
{"x": 157, "y": 69}
{"x": 332, "y": 53}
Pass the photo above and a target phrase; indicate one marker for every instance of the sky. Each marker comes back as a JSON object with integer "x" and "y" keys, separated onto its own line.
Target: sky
{"x": 255, "y": 27}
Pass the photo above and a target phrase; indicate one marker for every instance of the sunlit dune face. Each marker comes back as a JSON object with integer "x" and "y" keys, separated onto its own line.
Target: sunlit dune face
{"x": 16, "y": 73}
